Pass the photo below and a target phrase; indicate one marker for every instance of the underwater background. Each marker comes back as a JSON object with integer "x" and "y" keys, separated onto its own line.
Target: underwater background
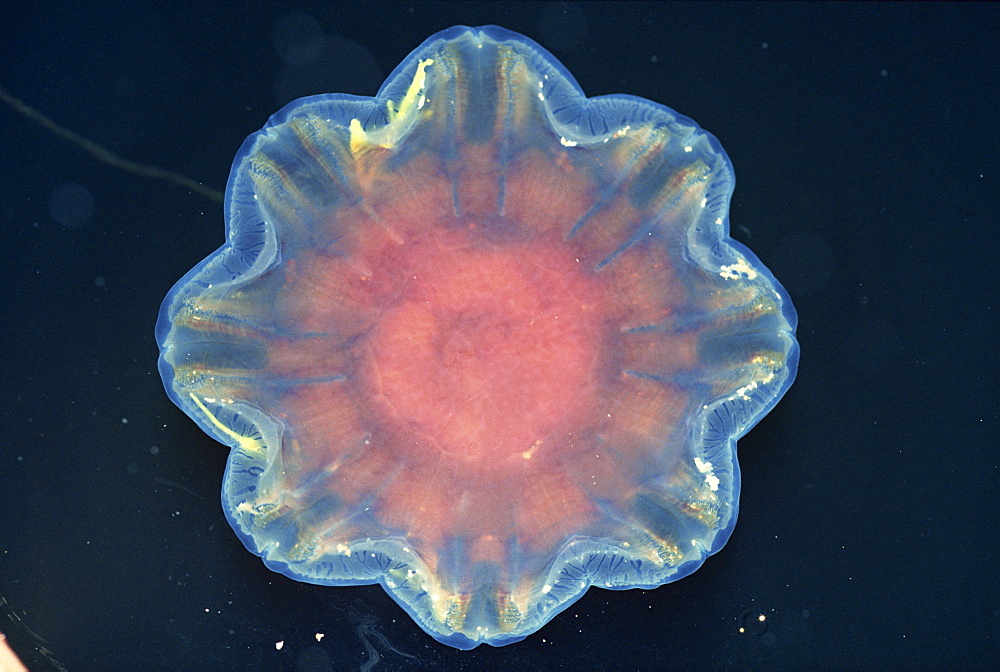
{"x": 864, "y": 142}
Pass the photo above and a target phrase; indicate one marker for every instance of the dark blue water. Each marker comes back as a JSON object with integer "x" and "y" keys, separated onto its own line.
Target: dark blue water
{"x": 864, "y": 140}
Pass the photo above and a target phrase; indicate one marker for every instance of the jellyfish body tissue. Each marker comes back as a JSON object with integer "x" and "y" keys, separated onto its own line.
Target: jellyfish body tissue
{"x": 479, "y": 339}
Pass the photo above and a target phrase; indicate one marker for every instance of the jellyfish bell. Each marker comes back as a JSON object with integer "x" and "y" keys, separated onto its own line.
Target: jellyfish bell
{"x": 479, "y": 339}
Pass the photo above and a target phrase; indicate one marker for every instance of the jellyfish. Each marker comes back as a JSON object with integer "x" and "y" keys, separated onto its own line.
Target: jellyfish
{"x": 479, "y": 339}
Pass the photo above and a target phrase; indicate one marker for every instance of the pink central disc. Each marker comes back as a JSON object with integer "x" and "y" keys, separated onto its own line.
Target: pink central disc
{"x": 490, "y": 351}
